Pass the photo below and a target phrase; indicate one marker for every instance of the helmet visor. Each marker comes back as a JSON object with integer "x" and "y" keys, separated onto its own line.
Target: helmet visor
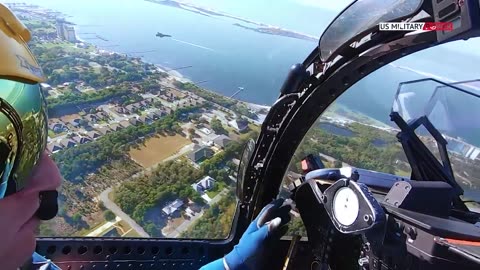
{"x": 23, "y": 132}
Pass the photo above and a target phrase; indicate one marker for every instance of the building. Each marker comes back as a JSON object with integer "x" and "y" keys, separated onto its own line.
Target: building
{"x": 75, "y": 122}
{"x": 59, "y": 26}
{"x": 125, "y": 123}
{"x": 239, "y": 124}
{"x": 115, "y": 127}
{"x": 81, "y": 139}
{"x": 473, "y": 153}
{"x": 54, "y": 147}
{"x": 67, "y": 143}
{"x": 46, "y": 86}
{"x": 204, "y": 184}
{"x": 145, "y": 119}
{"x": 57, "y": 127}
{"x": 133, "y": 121}
{"x": 91, "y": 118}
{"x": 69, "y": 33}
{"x": 104, "y": 130}
{"x": 222, "y": 141}
{"x": 65, "y": 31}
{"x": 172, "y": 207}
{"x": 93, "y": 135}
{"x": 200, "y": 153}
{"x": 206, "y": 131}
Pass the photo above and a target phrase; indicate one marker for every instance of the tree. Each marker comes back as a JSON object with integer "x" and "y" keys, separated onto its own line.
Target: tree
{"x": 337, "y": 164}
{"x": 109, "y": 215}
{"x": 76, "y": 218}
{"x": 217, "y": 126}
{"x": 191, "y": 133}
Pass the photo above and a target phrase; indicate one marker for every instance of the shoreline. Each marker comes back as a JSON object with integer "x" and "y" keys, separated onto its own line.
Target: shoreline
{"x": 182, "y": 78}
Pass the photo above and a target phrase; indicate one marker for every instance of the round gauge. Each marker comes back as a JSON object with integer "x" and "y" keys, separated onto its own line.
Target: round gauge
{"x": 345, "y": 206}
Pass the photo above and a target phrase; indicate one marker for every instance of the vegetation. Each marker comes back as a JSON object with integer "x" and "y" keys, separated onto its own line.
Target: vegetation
{"x": 218, "y": 127}
{"x": 79, "y": 161}
{"x": 74, "y": 99}
{"x": 109, "y": 215}
{"x": 296, "y": 227}
{"x": 169, "y": 181}
{"x": 216, "y": 223}
{"x": 357, "y": 150}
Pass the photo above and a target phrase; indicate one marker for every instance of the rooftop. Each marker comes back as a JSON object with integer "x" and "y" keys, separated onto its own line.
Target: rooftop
{"x": 172, "y": 207}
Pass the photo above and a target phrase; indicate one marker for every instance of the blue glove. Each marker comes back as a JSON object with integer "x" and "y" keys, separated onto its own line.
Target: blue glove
{"x": 266, "y": 229}
{"x": 39, "y": 262}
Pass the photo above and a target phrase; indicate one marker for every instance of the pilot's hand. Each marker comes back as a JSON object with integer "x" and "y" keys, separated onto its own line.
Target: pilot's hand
{"x": 266, "y": 229}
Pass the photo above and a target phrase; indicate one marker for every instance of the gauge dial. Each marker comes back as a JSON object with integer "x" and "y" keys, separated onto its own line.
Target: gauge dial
{"x": 345, "y": 206}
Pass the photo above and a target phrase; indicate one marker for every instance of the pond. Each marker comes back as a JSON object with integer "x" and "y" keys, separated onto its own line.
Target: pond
{"x": 379, "y": 142}
{"x": 336, "y": 130}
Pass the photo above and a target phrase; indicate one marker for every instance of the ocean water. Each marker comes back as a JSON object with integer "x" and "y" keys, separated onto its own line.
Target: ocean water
{"x": 225, "y": 56}
{"x": 228, "y": 57}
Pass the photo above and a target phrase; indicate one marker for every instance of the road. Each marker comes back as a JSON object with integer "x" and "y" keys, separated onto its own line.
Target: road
{"x": 117, "y": 211}
{"x": 186, "y": 224}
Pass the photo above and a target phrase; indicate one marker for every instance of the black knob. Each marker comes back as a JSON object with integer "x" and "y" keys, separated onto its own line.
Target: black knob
{"x": 48, "y": 205}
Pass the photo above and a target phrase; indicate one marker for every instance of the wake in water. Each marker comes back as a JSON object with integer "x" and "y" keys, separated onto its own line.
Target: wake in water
{"x": 194, "y": 45}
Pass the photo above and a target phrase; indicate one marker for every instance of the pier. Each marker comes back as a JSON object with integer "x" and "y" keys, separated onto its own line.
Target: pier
{"x": 240, "y": 89}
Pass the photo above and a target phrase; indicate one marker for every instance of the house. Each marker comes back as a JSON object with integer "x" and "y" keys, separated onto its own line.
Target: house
{"x": 54, "y": 147}
{"x": 81, "y": 139}
{"x": 46, "y": 86}
{"x": 121, "y": 110}
{"x": 75, "y": 122}
{"x": 172, "y": 207}
{"x": 93, "y": 135}
{"x": 153, "y": 116}
{"x": 145, "y": 119}
{"x": 103, "y": 130}
{"x": 236, "y": 161}
{"x": 67, "y": 143}
{"x": 200, "y": 153}
{"x": 148, "y": 101}
{"x": 222, "y": 141}
{"x": 57, "y": 127}
{"x": 125, "y": 124}
{"x": 101, "y": 115}
{"x": 239, "y": 124}
{"x": 167, "y": 110}
{"x": 133, "y": 121}
{"x": 115, "y": 127}
{"x": 131, "y": 108}
{"x": 206, "y": 131}
{"x": 139, "y": 105}
{"x": 204, "y": 184}
{"x": 91, "y": 118}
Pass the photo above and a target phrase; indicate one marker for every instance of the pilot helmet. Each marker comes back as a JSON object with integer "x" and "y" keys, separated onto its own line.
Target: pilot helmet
{"x": 23, "y": 117}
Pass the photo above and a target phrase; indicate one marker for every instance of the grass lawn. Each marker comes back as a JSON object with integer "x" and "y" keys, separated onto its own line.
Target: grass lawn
{"x": 402, "y": 173}
{"x": 111, "y": 196}
{"x": 156, "y": 149}
{"x": 218, "y": 187}
{"x": 52, "y": 134}
{"x": 123, "y": 227}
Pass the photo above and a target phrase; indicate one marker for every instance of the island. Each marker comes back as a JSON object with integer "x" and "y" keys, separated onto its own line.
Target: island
{"x": 259, "y": 27}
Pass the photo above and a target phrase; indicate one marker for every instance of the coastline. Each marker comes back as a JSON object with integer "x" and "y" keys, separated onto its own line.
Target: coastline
{"x": 182, "y": 78}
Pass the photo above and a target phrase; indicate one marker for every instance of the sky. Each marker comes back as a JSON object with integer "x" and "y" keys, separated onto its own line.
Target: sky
{"x": 336, "y": 5}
